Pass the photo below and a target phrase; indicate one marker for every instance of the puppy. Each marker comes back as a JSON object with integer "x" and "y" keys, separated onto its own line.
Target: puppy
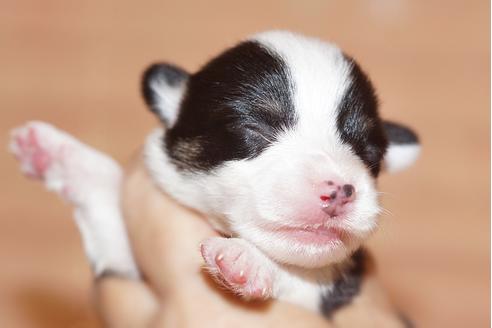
{"x": 278, "y": 141}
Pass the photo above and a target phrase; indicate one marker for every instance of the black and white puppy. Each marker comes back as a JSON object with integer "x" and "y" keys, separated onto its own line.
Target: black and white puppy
{"x": 278, "y": 141}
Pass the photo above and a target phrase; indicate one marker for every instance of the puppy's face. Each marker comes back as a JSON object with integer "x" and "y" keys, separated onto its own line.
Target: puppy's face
{"x": 282, "y": 135}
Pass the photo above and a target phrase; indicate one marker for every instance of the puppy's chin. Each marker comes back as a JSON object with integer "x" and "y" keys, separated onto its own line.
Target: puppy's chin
{"x": 308, "y": 248}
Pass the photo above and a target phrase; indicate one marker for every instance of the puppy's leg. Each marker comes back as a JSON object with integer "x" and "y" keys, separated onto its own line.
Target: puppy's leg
{"x": 240, "y": 266}
{"x": 90, "y": 181}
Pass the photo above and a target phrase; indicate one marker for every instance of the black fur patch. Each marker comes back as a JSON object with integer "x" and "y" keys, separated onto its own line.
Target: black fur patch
{"x": 345, "y": 287}
{"x": 400, "y": 134}
{"x": 170, "y": 74}
{"x": 358, "y": 121}
{"x": 233, "y": 109}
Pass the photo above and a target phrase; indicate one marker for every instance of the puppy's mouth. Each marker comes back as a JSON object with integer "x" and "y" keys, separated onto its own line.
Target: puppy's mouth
{"x": 319, "y": 234}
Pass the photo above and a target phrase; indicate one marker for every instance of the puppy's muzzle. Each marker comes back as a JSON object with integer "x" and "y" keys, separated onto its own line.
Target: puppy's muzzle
{"x": 336, "y": 198}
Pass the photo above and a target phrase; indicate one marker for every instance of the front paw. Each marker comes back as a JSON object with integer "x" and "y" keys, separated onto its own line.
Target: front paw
{"x": 239, "y": 266}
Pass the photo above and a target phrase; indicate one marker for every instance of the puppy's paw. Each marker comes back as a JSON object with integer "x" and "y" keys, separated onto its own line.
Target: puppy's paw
{"x": 65, "y": 165}
{"x": 239, "y": 266}
{"x": 35, "y": 158}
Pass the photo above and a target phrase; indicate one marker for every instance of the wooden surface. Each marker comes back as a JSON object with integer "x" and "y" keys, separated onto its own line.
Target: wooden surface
{"x": 77, "y": 64}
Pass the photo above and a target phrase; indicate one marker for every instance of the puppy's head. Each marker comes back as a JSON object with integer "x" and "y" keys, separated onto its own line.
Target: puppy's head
{"x": 280, "y": 138}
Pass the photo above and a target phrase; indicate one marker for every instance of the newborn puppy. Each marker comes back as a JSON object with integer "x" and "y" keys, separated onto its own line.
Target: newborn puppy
{"x": 278, "y": 141}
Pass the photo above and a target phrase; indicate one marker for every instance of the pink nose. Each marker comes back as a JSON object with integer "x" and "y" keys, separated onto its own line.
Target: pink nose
{"x": 336, "y": 197}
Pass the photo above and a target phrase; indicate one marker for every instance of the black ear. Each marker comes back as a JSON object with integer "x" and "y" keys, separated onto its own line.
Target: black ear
{"x": 163, "y": 87}
{"x": 403, "y": 149}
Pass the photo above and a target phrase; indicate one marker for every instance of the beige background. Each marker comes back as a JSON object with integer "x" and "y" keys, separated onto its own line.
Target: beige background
{"x": 77, "y": 64}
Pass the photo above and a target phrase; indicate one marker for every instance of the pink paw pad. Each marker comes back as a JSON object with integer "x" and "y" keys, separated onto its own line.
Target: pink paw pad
{"x": 34, "y": 158}
{"x": 65, "y": 165}
{"x": 238, "y": 267}
{"x": 236, "y": 276}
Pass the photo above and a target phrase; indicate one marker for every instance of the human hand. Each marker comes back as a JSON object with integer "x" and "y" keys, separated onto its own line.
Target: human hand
{"x": 176, "y": 292}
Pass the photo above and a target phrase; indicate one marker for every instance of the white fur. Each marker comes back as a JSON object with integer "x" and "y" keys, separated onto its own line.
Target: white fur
{"x": 320, "y": 75}
{"x": 398, "y": 157}
{"x": 168, "y": 99}
{"x": 188, "y": 189}
{"x": 87, "y": 179}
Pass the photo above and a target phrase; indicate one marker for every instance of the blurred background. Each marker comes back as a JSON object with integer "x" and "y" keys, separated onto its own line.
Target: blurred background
{"x": 77, "y": 64}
